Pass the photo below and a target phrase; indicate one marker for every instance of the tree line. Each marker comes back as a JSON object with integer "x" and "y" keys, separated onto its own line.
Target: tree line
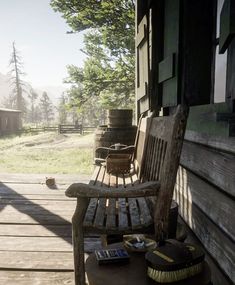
{"x": 37, "y": 109}
{"x": 107, "y": 79}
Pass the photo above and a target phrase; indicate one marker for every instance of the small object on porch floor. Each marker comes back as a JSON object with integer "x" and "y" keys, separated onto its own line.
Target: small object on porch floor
{"x": 50, "y": 181}
{"x": 115, "y": 255}
{"x": 174, "y": 261}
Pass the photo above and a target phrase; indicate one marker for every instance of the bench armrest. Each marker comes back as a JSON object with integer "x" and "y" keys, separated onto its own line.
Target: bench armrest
{"x": 77, "y": 190}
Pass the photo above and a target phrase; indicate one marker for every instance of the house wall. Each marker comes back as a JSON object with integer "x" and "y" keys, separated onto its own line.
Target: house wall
{"x": 10, "y": 122}
{"x": 205, "y": 191}
{"x": 184, "y": 66}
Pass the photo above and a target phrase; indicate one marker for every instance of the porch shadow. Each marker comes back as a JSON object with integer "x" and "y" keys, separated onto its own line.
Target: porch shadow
{"x": 46, "y": 218}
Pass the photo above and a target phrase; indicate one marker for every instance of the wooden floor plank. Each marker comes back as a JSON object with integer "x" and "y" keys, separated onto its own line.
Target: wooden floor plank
{"x": 36, "y": 230}
{"x": 36, "y": 278}
{"x": 10, "y": 217}
{"x": 36, "y": 260}
{"x": 45, "y": 244}
{"x": 23, "y": 189}
{"x": 35, "y": 243}
{"x": 43, "y": 196}
{"x": 18, "y": 178}
{"x": 40, "y": 204}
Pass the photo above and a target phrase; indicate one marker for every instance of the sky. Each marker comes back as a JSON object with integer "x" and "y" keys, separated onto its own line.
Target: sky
{"x": 40, "y": 36}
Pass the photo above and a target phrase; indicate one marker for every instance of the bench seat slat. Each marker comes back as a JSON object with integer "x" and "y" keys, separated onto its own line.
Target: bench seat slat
{"x": 90, "y": 212}
{"x": 111, "y": 214}
{"x": 122, "y": 206}
{"x": 95, "y": 175}
{"x": 91, "y": 209}
{"x": 134, "y": 213}
{"x": 100, "y": 213}
{"x": 122, "y": 214}
{"x": 101, "y": 176}
{"x": 129, "y": 180}
{"x": 145, "y": 216}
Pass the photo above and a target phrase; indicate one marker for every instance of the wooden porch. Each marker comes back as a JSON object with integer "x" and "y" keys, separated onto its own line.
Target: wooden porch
{"x": 35, "y": 230}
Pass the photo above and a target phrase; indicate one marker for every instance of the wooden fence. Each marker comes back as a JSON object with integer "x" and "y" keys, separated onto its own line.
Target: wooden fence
{"x": 39, "y": 129}
{"x": 70, "y": 129}
{"x": 80, "y": 129}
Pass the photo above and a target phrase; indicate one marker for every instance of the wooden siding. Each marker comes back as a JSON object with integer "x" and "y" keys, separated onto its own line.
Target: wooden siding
{"x": 10, "y": 121}
{"x": 205, "y": 191}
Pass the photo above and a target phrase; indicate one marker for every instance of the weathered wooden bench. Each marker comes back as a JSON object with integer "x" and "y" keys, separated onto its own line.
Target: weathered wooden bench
{"x": 137, "y": 202}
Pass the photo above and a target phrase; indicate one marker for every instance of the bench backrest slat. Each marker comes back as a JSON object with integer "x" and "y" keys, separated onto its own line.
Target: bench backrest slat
{"x": 140, "y": 143}
{"x": 159, "y": 158}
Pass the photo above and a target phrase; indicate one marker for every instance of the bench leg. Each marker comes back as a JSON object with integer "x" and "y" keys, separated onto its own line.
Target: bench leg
{"x": 78, "y": 253}
{"x": 78, "y": 242}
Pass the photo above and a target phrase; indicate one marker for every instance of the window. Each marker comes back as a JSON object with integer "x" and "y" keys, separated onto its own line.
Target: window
{"x": 220, "y": 64}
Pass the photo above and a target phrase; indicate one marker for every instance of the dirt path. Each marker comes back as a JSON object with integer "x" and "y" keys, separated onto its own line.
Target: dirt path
{"x": 49, "y": 140}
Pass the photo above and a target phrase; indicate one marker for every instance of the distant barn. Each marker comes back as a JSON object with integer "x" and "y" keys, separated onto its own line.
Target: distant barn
{"x": 10, "y": 121}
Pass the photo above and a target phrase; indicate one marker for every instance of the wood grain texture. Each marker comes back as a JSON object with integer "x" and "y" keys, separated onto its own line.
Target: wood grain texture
{"x": 83, "y": 190}
{"x": 100, "y": 213}
{"x": 214, "y": 166}
{"x": 39, "y": 179}
{"x": 53, "y": 261}
{"x": 171, "y": 131}
{"x": 29, "y": 278}
{"x": 35, "y": 230}
{"x": 35, "y": 236}
{"x": 226, "y": 144}
{"x": 217, "y": 275}
{"x": 214, "y": 203}
{"x": 35, "y": 243}
{"x": 6, "y": 197}
{"x": 220, "y": 246}
{"x": 111, "y": 214}
{"x": 12, "y": 217}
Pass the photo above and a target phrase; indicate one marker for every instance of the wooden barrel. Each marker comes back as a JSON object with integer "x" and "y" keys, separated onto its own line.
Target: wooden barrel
{"x": 105, "y": 136}
{"x": 119, "y": 118}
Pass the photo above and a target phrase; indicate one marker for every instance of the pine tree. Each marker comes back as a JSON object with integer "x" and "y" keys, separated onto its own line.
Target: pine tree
{"x": 46, "y": 108}
{"x": 62, "y": 109}
{"x": 32, "y": 97}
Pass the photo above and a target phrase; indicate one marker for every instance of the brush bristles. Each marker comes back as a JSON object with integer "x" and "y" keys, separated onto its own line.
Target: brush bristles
{"x": 173, "y": 276}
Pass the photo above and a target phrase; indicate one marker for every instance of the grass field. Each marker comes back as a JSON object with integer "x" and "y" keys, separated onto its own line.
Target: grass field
{"x": 47, "y": 153}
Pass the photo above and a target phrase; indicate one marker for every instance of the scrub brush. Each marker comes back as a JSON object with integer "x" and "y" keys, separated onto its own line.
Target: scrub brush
{"x": 174, "y": 261}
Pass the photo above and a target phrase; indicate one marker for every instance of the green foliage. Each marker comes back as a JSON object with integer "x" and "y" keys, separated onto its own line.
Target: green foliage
{"x": 109, "y": 70}
{"x": 114, "y": 19}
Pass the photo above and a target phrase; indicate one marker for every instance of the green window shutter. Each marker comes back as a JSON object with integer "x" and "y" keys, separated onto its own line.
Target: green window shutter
{"x": 142, "y": 68}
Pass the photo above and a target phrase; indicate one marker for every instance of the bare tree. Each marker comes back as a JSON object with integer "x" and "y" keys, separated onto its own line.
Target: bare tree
{"x": 16, "y": 99}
